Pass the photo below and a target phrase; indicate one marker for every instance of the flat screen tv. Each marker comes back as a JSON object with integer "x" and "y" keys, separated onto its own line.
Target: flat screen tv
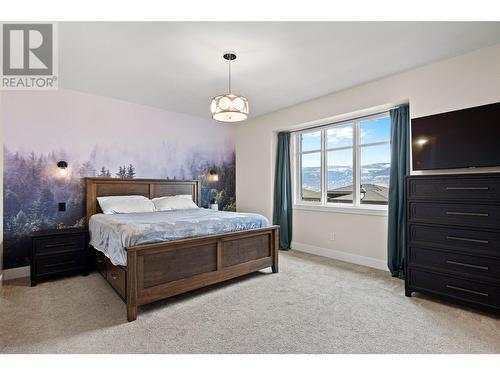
{"x": 467, "y": 138}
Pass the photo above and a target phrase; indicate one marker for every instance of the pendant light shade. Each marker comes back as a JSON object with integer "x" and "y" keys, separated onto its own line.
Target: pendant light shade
{"x": 229, "y": 107}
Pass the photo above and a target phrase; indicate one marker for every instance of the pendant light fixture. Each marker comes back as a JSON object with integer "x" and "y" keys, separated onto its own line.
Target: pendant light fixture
{"x": 229, "y": 107}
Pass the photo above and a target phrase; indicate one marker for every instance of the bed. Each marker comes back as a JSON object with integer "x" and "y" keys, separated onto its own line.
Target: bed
{"x": 208, "y": 247}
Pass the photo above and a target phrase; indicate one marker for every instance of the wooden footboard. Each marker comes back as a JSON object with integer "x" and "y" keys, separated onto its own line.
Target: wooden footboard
{"x": 166, "y": 269}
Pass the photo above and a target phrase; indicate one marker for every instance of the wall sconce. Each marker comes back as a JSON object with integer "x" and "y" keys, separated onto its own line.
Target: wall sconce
{"x": 63, "y": 167}
{"x": 212, "y": 176}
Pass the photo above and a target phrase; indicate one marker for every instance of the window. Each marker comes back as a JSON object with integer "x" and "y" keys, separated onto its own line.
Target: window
{"x": 344, "y": 164}
{"x": 310, "y": 160}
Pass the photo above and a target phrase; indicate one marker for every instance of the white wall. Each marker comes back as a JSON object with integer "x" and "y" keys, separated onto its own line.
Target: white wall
{"x": 464, "y": 81}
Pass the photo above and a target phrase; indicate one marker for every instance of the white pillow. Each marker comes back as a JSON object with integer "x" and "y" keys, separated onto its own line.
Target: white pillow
{"x": 125, "y": 204}
{"x": 174, "y": 202}
{"x": 186, "y": 196}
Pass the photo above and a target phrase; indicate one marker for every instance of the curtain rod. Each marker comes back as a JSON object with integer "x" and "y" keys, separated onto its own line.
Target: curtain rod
{"x": 346, "y": 120}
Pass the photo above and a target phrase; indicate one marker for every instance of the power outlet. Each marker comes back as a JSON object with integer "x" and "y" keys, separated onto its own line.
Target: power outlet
{"x": 332, "y": 236}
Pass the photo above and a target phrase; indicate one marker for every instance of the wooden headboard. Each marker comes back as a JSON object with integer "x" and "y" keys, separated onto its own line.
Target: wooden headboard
{"x": 102, "y": 187}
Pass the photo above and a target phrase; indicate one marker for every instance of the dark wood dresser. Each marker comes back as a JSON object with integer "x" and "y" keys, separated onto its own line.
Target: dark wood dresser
{"x": 453, "y": 238}
{"x": 58, "y": 252}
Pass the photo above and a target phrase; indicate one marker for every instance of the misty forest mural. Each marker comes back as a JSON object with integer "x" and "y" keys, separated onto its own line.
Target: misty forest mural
{"x": 101, "y": 137}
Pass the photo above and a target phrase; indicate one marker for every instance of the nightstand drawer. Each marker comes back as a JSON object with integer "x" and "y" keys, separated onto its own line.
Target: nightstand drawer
{"x": 59, "y": 244}
{"x": 52, "y": 264}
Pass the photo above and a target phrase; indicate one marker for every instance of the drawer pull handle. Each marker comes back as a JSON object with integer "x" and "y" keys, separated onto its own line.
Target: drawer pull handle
{"x": 466, "y": 239}
{"x": 468, "y": 291}
{"x": 64, "y": 244}
{"x": 60, "y": 264}
{"x": 114, "y": 276}
{"x": 467, "y": 188}
{"x": 457, "y": 213}
{"x": 468, "y": 265}
{"x": 99, "y": 260}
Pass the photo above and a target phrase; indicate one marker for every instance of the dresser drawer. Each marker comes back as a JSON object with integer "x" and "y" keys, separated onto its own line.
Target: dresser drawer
{"x": 473, "y": 215}
{"x": 455, "y": 287}
{"x": 472, "y": 188}
{"x": 475, "y": 242}
{"x": 52, "y": 264}
{"x": 116, "y": 276}
{"x": 58, "y": 244}
{"x": 446, "y": 261}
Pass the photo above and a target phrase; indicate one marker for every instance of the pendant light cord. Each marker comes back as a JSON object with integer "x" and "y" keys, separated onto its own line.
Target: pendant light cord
{"x": 230, "y": 76}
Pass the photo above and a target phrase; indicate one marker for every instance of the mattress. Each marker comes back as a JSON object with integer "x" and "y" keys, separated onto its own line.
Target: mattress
{"x": 113, "y": 234}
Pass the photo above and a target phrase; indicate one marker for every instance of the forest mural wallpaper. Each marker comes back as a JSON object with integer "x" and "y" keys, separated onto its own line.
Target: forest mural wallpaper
{"x": 97, "y": 136}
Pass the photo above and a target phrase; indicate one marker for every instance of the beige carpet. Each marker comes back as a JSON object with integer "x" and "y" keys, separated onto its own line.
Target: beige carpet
{"x": 314, "y": 305}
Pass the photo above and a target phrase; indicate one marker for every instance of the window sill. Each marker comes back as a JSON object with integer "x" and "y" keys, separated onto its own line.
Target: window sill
{"x": 369, "y": 210}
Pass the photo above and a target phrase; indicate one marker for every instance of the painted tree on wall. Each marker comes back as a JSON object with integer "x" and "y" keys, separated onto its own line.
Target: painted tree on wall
{"x": 130, "y": 171}
{"x": 104, "y": 172}
{"x": 122, "y": 172}
{"x": 86, "y": 170}
{"x": 224, "y": 190}
{"x": 126, "y": 172}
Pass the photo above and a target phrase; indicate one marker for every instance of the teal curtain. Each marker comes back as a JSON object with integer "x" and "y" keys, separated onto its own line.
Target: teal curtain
{"x": 400, "y": 168}
{"x": 282, "y": 215}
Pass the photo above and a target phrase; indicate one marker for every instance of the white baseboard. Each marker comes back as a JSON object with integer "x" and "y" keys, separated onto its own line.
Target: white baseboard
{"x": 341, "y": 255}
{"x": 16, "y": 273}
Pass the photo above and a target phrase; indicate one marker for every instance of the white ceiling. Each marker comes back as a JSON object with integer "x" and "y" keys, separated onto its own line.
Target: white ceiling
{"x": 178, "y": 66}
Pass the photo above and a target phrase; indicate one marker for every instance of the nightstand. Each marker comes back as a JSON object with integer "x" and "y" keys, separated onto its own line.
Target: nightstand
{"x": 58, "y": 252}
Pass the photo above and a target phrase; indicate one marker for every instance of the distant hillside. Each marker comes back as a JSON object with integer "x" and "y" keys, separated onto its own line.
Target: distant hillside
{"x": 374, "y": 183}
{"x": 341, "y": 176}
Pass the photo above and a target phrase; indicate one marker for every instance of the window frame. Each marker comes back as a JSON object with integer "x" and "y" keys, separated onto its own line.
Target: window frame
{"x": 323, "y": 205}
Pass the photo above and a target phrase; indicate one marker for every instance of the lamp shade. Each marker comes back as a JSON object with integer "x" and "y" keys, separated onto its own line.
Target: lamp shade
{"x": 212, "y": 176}
{"x": 229, "y": 108}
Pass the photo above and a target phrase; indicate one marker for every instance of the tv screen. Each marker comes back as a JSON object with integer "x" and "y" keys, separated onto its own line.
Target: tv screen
{"x": 467, "y": 138}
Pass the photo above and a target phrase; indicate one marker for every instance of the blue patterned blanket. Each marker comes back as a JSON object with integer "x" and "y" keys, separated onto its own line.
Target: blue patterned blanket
{"x": 112, "y": 234}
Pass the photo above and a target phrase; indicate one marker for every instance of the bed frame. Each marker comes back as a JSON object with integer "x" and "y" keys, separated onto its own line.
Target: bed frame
{"x": 161, "y": 270}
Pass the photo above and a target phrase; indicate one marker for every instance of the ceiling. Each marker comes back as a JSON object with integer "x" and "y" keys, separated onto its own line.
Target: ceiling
{"x": 178, "y": 66}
